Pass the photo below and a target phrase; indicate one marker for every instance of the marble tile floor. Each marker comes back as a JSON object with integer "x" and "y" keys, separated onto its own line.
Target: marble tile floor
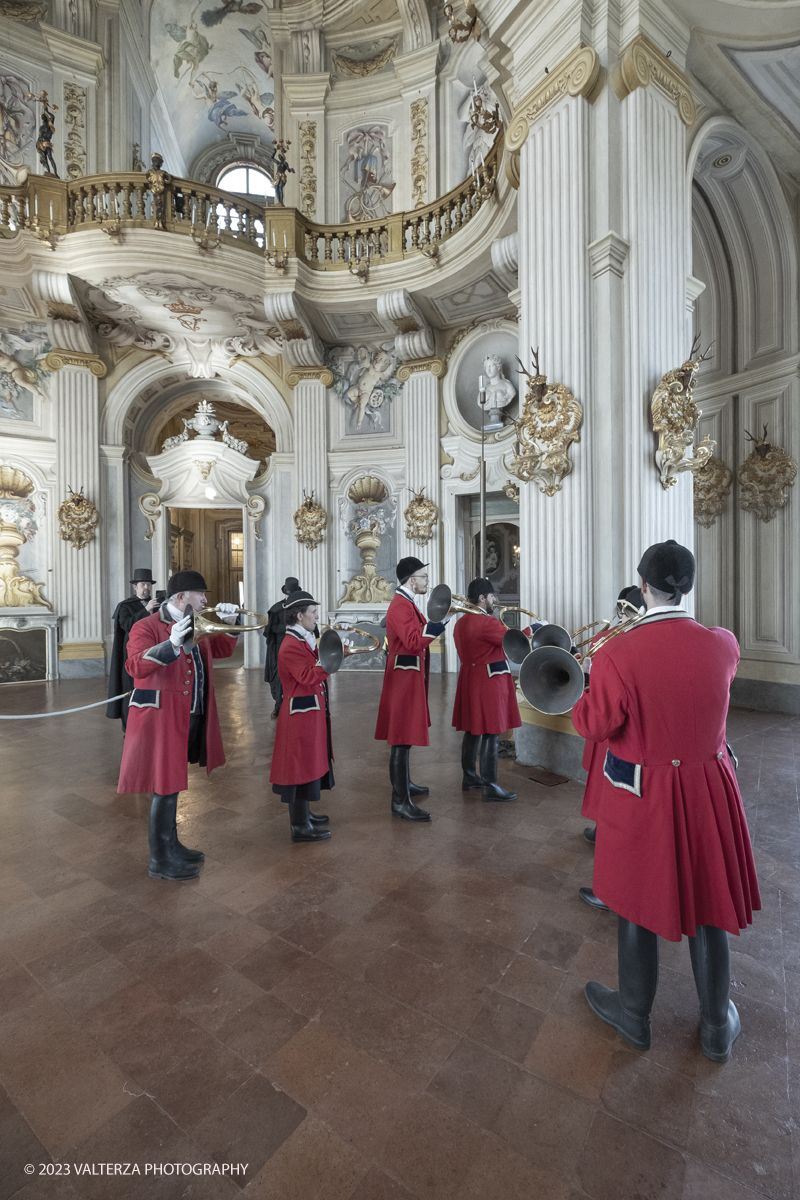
{"x": 396, "y": 1013}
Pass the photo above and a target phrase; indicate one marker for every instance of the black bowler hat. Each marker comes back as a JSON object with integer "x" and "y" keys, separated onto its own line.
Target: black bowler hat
{"x": 186, "y": 581}
{"x": 479, "y": 587}
{"x": 633, "y": 595}
{"x": 299, "y": 597}
{"x": 290, "y": 584}
{"x": 668, "y": 567}
{"x": 143, "y": 575}
{"x": 408, "y": 567}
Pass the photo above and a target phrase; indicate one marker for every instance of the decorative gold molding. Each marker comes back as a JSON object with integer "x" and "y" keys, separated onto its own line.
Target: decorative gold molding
{"x": 59, "y": 311}
{"x": 511, "y": 489}
{"x": 763, "y": 478}
{"x": 361, "y": 68}
{"x": 416, "y": 366}
{"x": 642, "y": 63}
{"x": 296, "y": 375}
{"x": 72, "y": 650}
{"x": 712, "y": 484}
{"x": 75, "y": 119}
{"x": 675, "y": 420}
{"x": 419, "y": 159}
{"x": 420, "y": 517}
{"x": 57, "y": 359}
{"x": 17, "y": 525}
{"x": 310, "y": 522}
{"x": 308, "y": 173}
{"x": 551, "y": 421}
{"x": 77, "y": 520}
{"x": 576, "y": 75}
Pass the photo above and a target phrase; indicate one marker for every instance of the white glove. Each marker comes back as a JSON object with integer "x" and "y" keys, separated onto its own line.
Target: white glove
{"x": 180, "y": 631}
{"x": 586, "y": 666}
{"x": 228, "y": 612}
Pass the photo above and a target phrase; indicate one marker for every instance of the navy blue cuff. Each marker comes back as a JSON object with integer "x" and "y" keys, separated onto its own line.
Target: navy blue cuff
{"x": 433, "y": 629}
{"x": 164, "y": 653}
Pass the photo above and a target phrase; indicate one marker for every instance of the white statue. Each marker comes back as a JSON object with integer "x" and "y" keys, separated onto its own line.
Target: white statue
{"x": 495, "y": 392}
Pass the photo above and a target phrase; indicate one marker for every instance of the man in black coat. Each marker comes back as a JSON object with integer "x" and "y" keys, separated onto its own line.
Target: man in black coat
{"x": 126, "y": 614}
{"x": 275, "y": 633}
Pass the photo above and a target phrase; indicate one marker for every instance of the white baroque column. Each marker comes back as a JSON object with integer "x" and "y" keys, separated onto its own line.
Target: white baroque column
{"x": 311, "y": 475}
{"x": 79, "y": 579}
{"x": 557, "y": 562}
{"x": 421, "y": 409}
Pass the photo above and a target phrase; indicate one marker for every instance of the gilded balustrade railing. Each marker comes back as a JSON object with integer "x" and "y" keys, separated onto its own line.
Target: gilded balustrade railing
{"x": 123, "y": 200}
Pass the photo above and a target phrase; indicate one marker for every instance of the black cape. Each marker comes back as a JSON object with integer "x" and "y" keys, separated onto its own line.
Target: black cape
{"x": 274, "y": 632}
{"x": 126, "y": 614}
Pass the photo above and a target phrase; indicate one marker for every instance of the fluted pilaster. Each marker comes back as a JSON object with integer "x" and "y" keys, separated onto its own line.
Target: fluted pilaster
{"x": 311, "y": 474}
{"x": 421, "y": 403}
{"x": 78, "y": 581}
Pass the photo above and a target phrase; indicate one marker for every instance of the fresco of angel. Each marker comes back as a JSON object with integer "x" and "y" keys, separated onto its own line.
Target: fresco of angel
{"x": 263, "y": 55}
{"x": 193, "y": 47}
{"x": 261, "y": 104}
{"x": 17, "y": 126}
{"x": 365, "y": 379}
{"x": 21, "y": 375}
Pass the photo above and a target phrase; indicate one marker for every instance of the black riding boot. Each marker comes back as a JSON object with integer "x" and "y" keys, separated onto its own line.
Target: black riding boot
{"x": 302, "y": 828}
{"x": 317, "y": 818}
{"x": 471, "y": 780}
{"x": 402, "y": 804}
{"x": 192, "y": 856}
{"x": 165, "y": 861}
{"x": 491, "y": 789}
{"x": 719, "y": 1020}
{"x": 628, "y": 1010}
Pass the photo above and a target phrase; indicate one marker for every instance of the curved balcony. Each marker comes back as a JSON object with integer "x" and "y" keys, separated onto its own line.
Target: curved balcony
{"x": 118, "y": 201}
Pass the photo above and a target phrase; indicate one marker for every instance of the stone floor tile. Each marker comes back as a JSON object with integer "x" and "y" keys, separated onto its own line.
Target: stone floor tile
{"x": 573, "y": 1057}
{"x": 250, "y": 1125}
{"x": 315, "y": 1163}
{"x": 622, "y": 1163}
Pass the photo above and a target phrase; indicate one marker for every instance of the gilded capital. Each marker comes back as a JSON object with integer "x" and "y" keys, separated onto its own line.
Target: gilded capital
{"x": 298, "y": 374}
{"x": 642, "y": 63}
{"x": 57, "y": 359}
{"x": 416, "y": 366}
{"x": 576, "y": 75}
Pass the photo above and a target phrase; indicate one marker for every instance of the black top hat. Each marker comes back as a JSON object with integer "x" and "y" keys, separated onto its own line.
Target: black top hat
{"x": 668, "y": 567}
{"x": 299, "y": 597}
{"x": 143, "y": 575}
{"x": 186, "y": 581}
{"x": 408, "y": 567}
{"x": 290, "y": 584}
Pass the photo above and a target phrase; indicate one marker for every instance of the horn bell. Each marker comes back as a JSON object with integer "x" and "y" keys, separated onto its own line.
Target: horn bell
{"x": 439, "y": 602}
{"x": 516, "y": 646}
{"x": 551, "y": 635}
{"x": 331, "y": 651}
{"x": 551, "y": 680}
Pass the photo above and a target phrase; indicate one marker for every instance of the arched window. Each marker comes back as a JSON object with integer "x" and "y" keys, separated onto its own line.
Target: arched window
{"x": 245, "y": 180}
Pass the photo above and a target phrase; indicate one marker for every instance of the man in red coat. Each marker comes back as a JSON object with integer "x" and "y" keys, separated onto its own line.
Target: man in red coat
{"x": 674, "y": 854}
{"x": 172, "y": 716}
{"x": 403, "y": 716}
{"x": 486, "y": 699}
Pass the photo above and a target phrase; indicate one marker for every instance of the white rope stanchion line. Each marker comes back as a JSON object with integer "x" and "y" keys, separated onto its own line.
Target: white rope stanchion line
{"x": 64, "y": 711}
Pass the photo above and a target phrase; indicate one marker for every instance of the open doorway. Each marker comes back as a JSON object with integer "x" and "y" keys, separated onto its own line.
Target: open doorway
{"x": 211, "y": 541}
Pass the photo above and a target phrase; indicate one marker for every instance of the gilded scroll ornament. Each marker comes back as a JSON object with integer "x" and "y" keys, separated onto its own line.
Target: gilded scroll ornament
{"x": 764, "y": 477}
{"x": 357, "y": 68}
{"x": 297, "y": 375}
{"x": 712, "y": 484}
{"x": 419, "y": 158}
{"x": 550, "y": 422}
{"x": 511, "y": 489}
{"x": 57, "y": 359}
{"x": 308, "y": 171}
{"x": 77, "y": 520}
{"x": 675, "y": 419}
{"x": 17, "y": 526}
{"x": 576, "y": 75}
{"x": 642, "y": 63}
{"x": 420, "y": 516}
{"x": 310, "y": 521}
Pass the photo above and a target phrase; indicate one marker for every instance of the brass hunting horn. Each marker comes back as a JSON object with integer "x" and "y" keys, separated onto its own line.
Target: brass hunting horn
{"x": 331, "y": 646}
{"x": 203, "y": 626}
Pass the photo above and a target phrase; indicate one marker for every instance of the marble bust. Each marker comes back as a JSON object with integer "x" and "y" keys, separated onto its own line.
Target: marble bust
{"x": 495, "y": 391}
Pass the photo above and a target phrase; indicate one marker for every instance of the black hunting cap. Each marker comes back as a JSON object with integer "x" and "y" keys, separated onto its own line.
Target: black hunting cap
{"x": 668, "y": 567}
{"x": 186, "y": 581}
{"x": 298, "y": 599}
{"x": 633, "y": 595}
{"x": 290, "y": 584}
{"x": 479, "y": 587}
{"x": 408, "y": 567}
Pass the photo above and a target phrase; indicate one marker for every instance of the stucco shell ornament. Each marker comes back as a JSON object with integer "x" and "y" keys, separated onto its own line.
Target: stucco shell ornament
{"x": 764, "y": 477}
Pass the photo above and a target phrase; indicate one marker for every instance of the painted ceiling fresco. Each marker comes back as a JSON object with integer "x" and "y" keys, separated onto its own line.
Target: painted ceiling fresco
{"x": 213, "y": 62}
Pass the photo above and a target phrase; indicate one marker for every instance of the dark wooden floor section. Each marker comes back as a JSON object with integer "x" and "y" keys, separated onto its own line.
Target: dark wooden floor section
{"x": 395, "y": 1013}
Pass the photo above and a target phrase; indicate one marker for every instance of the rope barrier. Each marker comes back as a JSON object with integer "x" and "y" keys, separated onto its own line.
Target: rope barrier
{"x": 64, "y": 711}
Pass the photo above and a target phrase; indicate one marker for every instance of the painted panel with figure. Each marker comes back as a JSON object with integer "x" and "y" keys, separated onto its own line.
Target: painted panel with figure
{"x": 365, "y": 380}
{"x": 214, "y": 63}
{"x": 17, "y": 128}
{"x": 365, "y": 173}
{"x": 22, "y": 376}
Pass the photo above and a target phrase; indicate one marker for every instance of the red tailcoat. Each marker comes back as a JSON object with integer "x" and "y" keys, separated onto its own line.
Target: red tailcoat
{"x": 674, "y": 850}
{"x": 302, "y": 739}
{"x": 154, "y": 756}
{"x": 403, "y": 716}
{"x": 486, "y": 699}
{"x": 594, "y": 754}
